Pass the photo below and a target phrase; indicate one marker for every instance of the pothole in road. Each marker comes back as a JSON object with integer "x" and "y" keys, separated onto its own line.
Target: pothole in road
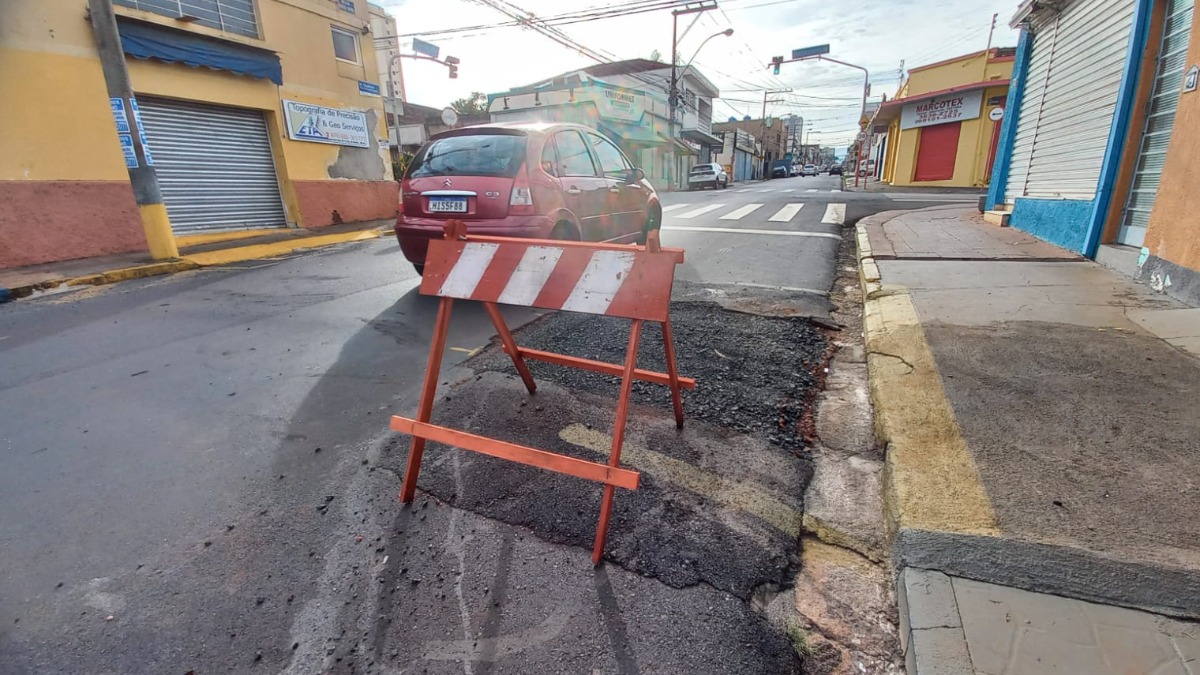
{"x": 755, "y": 374}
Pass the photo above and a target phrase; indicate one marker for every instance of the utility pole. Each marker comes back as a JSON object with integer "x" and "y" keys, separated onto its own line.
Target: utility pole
{"x": 138, "y": 160}
{"x": 766, "y": 162}
{"x": 673, "y": 89}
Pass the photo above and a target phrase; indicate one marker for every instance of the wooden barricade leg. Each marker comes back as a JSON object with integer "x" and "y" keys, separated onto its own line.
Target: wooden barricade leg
{"x": 510, "y": 345}
{"x": 428, "y": 393}
{"x": 635, "y": 334}
{"x": 673, "y": 372}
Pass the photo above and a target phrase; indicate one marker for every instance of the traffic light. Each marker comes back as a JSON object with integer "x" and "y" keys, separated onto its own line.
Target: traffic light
{"x": 777, "y": 61}
{"x": 452, "y": 63}
{"x": 453, "y": 72}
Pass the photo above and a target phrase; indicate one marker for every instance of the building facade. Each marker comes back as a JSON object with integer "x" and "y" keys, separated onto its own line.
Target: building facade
{"x": 942, "y": 127}
{"x": 254, "y": 113}
{"x": 772, "y": 136}
{"x": 740, "y": 154}
{"x": 627, "y": 102}
{"x": 1097, "y": 156}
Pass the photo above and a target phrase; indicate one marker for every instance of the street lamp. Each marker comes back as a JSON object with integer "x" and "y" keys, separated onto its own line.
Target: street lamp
{"x": 673, "y": 88}
{"x": 727, "y": 32}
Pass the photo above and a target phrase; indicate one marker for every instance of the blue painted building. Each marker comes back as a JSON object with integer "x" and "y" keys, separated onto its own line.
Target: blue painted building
{"x": 1088, "y": 117}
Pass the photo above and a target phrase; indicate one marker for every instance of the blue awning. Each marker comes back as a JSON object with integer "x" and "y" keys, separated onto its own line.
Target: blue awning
{"x": 150, "y": 41}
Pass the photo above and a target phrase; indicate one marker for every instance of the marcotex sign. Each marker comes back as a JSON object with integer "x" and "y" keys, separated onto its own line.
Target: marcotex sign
{"x": 316, "y": 124}
{"x": 942, "y": 110}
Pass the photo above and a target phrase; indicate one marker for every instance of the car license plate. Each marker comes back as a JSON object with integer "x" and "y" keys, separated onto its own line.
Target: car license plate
{"x": 447, "y": 204}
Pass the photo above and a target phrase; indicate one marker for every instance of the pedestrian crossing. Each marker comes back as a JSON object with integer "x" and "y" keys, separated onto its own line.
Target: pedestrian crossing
{"x": 835, "y": 214}
{"x": 737, "y": 214}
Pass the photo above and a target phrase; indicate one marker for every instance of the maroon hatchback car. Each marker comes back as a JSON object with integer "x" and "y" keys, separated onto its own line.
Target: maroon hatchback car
{"x": 546, "y": 181}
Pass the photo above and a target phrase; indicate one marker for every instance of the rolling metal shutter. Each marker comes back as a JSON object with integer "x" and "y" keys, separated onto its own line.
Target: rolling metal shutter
{"x": 1087, "y": 46}
{"x": 936, "y": 151}
{"x": 1031, "y": 105}
{"x": 1160, "y": 120}
{"x": 214, "y": 166}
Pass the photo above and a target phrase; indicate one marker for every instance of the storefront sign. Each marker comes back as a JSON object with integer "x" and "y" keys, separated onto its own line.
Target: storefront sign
{"x": 307, "y": 122}
{"x": 942, "y": 110}
{"x": 620, "y": 105}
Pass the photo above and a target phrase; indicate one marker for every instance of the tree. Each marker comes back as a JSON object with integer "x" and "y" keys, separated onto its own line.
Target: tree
{"x": 474, "y": 104}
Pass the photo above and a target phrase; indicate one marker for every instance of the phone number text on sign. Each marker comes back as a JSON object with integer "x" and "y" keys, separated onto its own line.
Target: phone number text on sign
{"x": 941, "y": 110}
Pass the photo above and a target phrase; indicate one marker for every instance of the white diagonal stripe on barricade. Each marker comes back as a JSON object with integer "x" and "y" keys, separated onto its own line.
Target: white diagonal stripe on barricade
{"x": 602, "y": 278}
{"x": 532, "y": 271}
{"x": 468, "y": 270}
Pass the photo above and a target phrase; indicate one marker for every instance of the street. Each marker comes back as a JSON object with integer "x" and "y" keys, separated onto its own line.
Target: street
{"x": 199, "y": 473}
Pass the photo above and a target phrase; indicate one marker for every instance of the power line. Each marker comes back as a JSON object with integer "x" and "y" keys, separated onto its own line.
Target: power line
{"x": 566, "y": 18}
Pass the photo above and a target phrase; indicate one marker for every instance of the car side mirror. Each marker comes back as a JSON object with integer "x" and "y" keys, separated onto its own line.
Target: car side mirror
{"x": 635, "y": 176}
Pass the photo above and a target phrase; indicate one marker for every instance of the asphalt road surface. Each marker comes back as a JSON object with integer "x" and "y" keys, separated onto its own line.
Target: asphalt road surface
{"x": 197, "y": 474}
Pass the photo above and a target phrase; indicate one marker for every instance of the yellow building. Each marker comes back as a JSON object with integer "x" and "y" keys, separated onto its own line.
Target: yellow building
{"x": 255, "y": 113}
{"x": 943, "y": 126}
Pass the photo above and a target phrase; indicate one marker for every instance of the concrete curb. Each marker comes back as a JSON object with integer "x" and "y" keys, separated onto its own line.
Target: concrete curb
{"x": 908, "y": 400}
{"x": 937, "y": 512}
{"x": 190, "y": 262}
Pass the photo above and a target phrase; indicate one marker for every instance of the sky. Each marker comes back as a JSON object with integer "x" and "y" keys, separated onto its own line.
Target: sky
{"x": 876, "y": 34}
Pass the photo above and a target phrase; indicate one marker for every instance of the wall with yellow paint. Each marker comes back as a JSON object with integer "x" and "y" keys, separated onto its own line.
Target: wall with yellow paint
{"x": 54, "y": 93}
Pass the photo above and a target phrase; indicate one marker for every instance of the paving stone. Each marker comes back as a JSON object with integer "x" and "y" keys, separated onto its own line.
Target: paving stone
{"x": 1017, "y": 632}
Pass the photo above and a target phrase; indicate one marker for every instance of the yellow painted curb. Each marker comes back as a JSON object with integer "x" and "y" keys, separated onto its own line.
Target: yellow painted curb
{"x": 217, "y": 237}
{"x": 277, "y": 248}
{"x": 136, "y": 272}
{"x": 930, "y": 478}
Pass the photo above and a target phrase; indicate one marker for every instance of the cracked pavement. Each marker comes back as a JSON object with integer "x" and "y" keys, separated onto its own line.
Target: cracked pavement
{"x": 205, "y": 459}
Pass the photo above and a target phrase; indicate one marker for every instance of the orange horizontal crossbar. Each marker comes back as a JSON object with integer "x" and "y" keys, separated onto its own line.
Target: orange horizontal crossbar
{"x": 602, "y": 367}
{"x": 601, "y": 473}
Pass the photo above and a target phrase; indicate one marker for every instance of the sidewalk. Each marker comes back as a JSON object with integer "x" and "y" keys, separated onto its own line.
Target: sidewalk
{"x": 195, "y": 251}
{"x": 1039, "y": 414}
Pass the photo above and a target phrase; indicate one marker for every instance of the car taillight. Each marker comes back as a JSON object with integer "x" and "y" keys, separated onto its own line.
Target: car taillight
{"x": 520, "y": 202}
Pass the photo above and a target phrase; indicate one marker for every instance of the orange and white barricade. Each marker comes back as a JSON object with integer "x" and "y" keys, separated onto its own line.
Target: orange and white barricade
{"x": 631, "y": 282}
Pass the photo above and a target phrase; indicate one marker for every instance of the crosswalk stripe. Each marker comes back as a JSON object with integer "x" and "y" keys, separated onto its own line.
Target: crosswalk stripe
{"x": 745, "y": 190}
{"x": 767, "y": 190}
{"x": 835, "y": 190}
{"x": 673, "y": 207}
{"x": 700, "y": 211}
{"x": 790, "y": 190}
{"x": 811, "y": 190}
{"x": 786, "y": 214}
{"x": 738, "y": 213}
{"x": 738, "y": 230}
{"x": 835, "y": 214}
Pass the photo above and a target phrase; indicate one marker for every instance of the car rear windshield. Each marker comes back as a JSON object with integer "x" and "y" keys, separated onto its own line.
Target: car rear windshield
{"x": 474, "y": 155}
{"x": 703, "y": 168}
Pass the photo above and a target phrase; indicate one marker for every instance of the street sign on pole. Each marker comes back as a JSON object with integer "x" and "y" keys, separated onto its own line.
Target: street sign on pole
{"x": 808, "y": 52}
{"x": 426, "y": 48}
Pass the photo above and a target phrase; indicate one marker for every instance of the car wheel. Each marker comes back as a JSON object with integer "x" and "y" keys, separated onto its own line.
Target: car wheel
{"x": 564, "y": 231}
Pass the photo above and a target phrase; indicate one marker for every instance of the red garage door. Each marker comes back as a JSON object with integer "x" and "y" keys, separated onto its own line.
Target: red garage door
{"x": 936, "y": 152}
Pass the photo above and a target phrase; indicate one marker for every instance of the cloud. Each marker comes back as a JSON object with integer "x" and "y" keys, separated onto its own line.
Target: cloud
{"x": 873, "y": 33}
